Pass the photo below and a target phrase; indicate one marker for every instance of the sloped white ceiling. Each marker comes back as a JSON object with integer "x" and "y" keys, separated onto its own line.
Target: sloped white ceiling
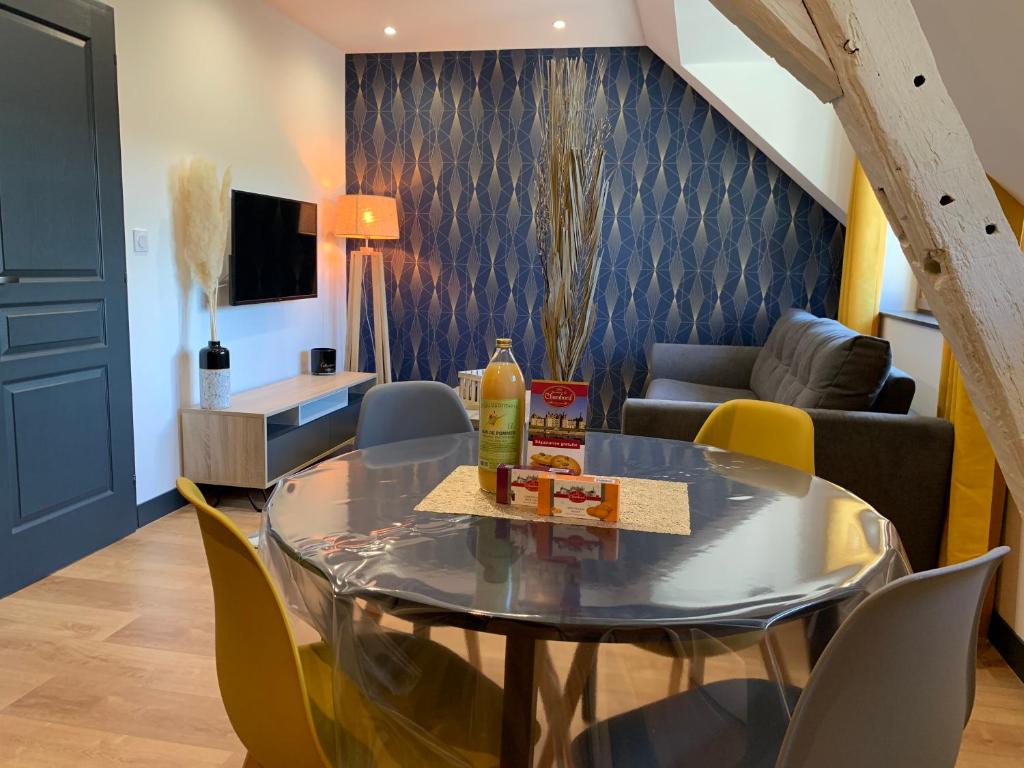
{"x": 979, "y": 47}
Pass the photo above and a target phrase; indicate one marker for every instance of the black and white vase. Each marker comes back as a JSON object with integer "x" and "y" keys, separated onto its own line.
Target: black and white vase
{"x": 214, "y": 376}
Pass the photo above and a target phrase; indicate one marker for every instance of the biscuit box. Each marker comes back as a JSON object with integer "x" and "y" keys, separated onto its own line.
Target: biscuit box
{"x": 558, "y": 425}
{"x": 517, "y": 484}
{"x": 583, "y": 496}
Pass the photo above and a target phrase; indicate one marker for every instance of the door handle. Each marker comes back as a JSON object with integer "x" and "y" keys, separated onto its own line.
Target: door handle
{"x": 4, "y": 280}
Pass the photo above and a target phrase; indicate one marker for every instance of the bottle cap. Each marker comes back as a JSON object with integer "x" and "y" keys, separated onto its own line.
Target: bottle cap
{"x": 504, "y": 343}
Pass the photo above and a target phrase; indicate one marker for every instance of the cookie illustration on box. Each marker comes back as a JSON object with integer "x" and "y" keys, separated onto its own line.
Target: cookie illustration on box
{"x": 558, "y": 425}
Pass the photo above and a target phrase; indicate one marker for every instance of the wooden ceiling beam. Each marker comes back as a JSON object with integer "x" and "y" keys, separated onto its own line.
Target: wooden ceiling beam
{"x": 783, "y": 29}
{"x": 921, "y": 161}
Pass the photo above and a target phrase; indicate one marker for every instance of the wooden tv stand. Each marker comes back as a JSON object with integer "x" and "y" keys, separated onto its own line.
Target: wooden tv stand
{"x": 269, "y": 432}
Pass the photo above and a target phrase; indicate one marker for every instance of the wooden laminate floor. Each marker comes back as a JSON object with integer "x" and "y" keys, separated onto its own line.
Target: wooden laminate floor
{"x": 110, "y": 663}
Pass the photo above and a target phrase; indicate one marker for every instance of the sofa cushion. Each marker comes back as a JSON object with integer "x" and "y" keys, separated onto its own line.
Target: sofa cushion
{"x": 814, "y": 362}
{"x": 670, "y": 389}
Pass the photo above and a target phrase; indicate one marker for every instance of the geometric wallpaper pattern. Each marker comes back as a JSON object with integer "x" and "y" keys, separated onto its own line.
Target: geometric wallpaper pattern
{"x": 705, "y": 239}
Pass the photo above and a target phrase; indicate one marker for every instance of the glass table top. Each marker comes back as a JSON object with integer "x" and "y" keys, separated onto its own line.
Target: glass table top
{"x": 765, "y": 540}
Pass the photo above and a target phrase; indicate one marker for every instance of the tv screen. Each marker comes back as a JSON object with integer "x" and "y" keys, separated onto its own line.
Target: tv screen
{"x": 273, "y": 249}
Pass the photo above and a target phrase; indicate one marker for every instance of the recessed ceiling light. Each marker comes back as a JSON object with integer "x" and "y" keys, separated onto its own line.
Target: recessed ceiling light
{"x": 559, "y": 24}
{"x": 390, "y": 31}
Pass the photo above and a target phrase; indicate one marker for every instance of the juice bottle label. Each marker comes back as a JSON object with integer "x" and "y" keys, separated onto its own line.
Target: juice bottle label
{"x": 500, "y": 433}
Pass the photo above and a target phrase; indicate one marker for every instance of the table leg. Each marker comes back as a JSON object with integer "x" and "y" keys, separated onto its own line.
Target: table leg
{"x": 519, "y": 704}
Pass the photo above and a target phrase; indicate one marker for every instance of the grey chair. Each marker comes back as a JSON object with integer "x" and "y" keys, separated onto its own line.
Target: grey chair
{"x": 894, "y": 687}
{"x": 406, "y": 410}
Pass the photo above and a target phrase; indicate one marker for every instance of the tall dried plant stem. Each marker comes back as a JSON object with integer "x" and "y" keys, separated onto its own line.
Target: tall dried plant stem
{"x": 572, "y": 192}
{"x": 203, "y": 204}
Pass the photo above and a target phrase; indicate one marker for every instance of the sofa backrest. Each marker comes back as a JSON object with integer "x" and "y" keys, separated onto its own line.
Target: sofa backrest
{"x": 814, "y": 362}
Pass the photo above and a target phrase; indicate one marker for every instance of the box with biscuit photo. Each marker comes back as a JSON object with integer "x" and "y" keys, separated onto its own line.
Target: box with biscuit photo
{"x": 583, "y": 497}
{"x": 558, "y": 425}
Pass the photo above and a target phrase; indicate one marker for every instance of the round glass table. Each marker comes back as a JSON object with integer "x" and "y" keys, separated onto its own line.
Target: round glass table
{"x": 767, "y": 546}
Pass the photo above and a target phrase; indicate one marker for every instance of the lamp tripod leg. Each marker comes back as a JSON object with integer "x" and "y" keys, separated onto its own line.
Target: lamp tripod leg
{"x": 354, "y": 312}
{"x": 382, "y": 344}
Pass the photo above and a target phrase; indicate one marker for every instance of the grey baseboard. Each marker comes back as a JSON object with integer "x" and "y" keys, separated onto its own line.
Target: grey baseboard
{"x": 1008, "y": 643}
{"x": 159, "y": 506}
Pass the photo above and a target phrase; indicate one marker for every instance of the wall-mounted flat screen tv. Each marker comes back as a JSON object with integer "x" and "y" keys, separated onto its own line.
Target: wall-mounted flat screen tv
{"x": 273, "y": 249}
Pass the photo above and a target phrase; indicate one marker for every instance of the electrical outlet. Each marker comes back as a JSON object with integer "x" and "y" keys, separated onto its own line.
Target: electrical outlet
{"x": 140, "y": 240}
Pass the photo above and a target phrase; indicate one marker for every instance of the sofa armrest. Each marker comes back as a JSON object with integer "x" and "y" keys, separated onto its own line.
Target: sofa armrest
{"x": 897, "y": 393}
{"x": 714, "y": 364}
{"x": 670, "y": 419}
{"x": 898, "y": 464}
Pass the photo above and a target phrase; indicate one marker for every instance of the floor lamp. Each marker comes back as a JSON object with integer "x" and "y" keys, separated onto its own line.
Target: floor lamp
{"x": 369, "y": 217}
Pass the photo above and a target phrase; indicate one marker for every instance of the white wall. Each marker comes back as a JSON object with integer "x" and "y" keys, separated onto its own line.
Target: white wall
{"x": 899, "y": 288}
{"x": 917, "y": 349}
{"x": 1010, "y": 580}
{"x": 237, "y": 82}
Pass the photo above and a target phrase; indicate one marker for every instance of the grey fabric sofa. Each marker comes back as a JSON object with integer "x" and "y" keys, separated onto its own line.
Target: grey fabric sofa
{"x": 807, "y": 361}
{"x": 864, "y": 439}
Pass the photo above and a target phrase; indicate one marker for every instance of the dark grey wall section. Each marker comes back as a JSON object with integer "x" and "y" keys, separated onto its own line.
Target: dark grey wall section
{"x": 158, "y": 506}
{"x": 1008, "y": 643}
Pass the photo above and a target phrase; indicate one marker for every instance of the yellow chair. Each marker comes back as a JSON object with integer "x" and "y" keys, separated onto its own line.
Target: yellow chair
{"x": 769, "y": 431}
{"x": 280, "y": 697}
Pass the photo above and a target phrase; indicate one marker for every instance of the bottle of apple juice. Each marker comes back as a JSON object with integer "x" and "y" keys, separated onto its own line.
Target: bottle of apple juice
{"x": 502, "y": 414}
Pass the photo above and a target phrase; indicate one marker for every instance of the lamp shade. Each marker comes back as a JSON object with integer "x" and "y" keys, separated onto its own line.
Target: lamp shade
{"x": 374, "y": 217}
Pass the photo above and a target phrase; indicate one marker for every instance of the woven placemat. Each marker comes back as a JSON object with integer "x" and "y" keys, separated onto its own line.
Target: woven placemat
{"x": 657, "y": 506}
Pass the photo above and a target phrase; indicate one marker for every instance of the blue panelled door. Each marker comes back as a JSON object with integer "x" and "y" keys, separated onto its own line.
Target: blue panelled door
{"x": 66, "y": 458}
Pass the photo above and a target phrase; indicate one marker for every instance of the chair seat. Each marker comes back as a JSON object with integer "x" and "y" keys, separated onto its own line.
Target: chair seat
{"x": 728, "y": 724}
{"x": 671, "y": 389}
{"x": 412, "y": 711}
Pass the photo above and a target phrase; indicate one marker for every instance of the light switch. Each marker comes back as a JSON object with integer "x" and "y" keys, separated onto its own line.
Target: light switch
{"x": 140, "y": 240}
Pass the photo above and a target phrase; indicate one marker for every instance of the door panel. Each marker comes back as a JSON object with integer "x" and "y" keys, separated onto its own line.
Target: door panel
{"x": 41, "y": 328}
{"x": 71, "y": 463}
{"x": 66, "y": 455}
{"x": 49, "y": 217}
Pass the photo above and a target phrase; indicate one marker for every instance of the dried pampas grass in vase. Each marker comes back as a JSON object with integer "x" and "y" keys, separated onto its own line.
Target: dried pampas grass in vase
{"x": 571, "y": 195}
{"x": 202, "y": 210}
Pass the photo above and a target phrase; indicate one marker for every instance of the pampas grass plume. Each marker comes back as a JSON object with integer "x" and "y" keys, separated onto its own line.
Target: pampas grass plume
{"x": 203, "y": 203}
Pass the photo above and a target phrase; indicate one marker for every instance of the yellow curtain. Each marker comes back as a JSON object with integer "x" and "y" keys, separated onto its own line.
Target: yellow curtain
{"x": 863, "y": 257}
{"x": 977, "y": 491}
{"x": 976, "y": 485}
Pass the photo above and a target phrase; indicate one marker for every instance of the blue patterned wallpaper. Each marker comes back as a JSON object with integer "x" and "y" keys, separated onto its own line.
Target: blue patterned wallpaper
{"x": 707, "y": 241}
